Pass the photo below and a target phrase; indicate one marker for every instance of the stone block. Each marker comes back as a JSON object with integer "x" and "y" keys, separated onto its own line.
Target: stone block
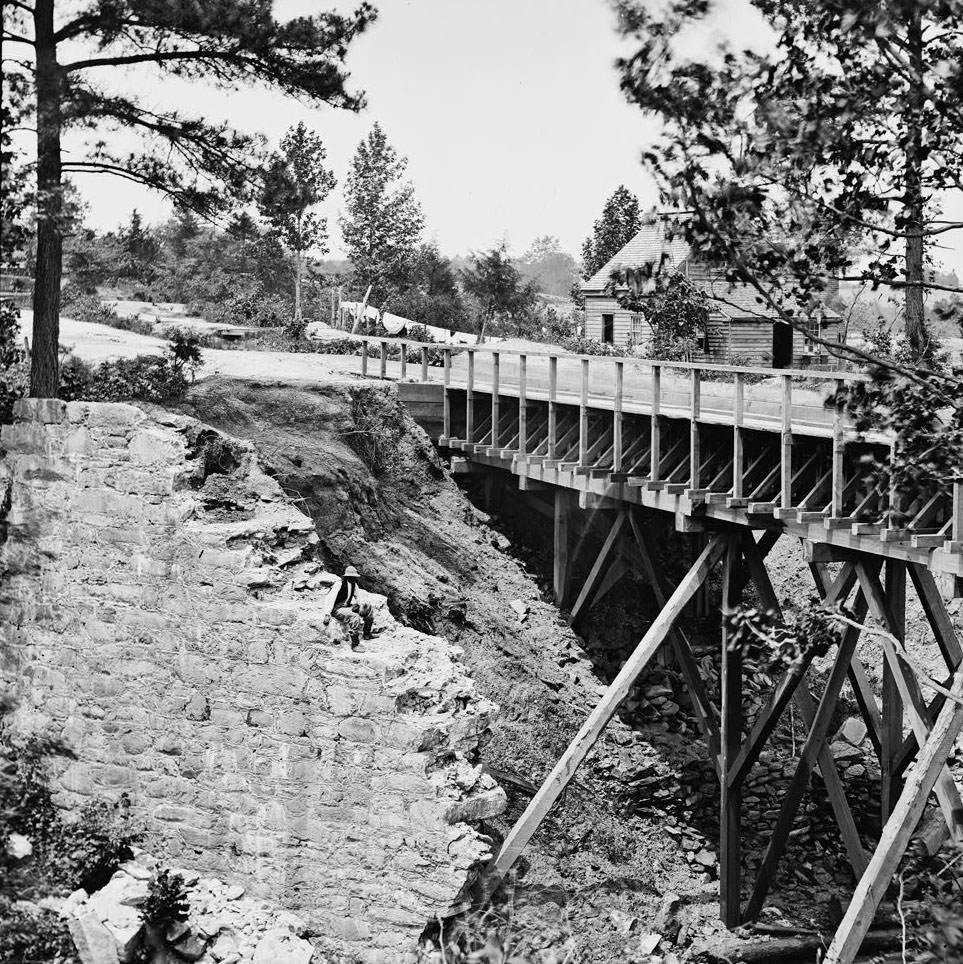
{"x": 47, "y": 411}
{"x": 95, "y": 944}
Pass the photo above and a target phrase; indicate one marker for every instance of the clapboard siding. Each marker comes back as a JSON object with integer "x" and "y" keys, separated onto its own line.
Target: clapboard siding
{"x": 729, "y": 340}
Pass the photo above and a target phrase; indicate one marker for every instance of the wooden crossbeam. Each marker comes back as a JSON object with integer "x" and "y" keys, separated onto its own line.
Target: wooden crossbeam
{"x": 592, "y": 728}
{"x": 596, "y": 570}
{"x": 910, "y": 695}
{"x": 898, "y": 830}
{"x": 656, "y": 579}
{"x": 617, "y": 570}
{"x": 807, "y": 708}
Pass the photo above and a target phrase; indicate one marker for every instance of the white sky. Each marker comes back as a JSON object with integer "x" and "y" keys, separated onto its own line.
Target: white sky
{"x": 509, "y": 112}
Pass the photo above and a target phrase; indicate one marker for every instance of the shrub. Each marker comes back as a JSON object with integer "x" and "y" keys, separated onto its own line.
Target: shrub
{"x": 146, "y": 378}
{"x": 86, "y": 306}
{"x": 166, "y": 901}
{"x": 254, "y": 308}
{"x": 14, "y": 366}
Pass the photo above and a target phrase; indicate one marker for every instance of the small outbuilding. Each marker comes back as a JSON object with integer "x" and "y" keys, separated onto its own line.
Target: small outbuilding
{"x": 741, "y": 329}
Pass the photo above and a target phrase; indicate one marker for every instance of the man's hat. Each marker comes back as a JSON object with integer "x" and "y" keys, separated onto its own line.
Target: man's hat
{"x": 351, "y": 573}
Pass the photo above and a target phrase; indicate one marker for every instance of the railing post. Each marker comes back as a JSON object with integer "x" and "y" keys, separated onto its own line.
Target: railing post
{"x": 424, "y": 363}
{"x": 495, "y": 364}
{"x": 785, "y": 461}
{"x": 522, "y": 404}
{"x": 583, "y": 415}
{"x": 838, "y": 478}
{"x": 617, "y": 419}
{"x": 695, "y": 451}
{"x": 956, "y": 525}
{"x": 404, "y": 361}
{"x": 552, "y": 406}
{"x": 470, "y": 399}
{"x": 446, "y": 413}
{"x": 383, "y": 368}
{"x": 656, "y": 438}
{"x": 364, "y": 358}
{"x": 738, "y": 417}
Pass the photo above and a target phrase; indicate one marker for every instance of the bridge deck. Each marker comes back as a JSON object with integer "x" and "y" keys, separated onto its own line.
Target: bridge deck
{"x": 709, "y": 444}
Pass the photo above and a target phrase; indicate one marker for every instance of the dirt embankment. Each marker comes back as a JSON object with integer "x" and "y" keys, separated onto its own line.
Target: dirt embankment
{"x": 381, "y": 501}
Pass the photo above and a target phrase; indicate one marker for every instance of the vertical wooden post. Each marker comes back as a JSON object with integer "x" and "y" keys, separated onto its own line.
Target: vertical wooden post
{"x": 730, "y": 738}
{"x": 522, "y": 404}
{"x": 560, "y": 570}
{"x": 617, "y": 419}
{"x": 695, "y": 404}
{"x": 552, "y": 406}
{"x": 404, "y": 360}
{"x": 838, "y": 478}
{"x": 656, "y": 438}
{"x": 786, "y": 448}
{"x": 446, "y": 411}
{"x": 583, "y": 415}
{"x": 364, "y": 358}
{"x": 470, "y": 399}
{"x": 424, "y": 364}
{"x": 495, "y": 413}
{"x": 892, "y": 735}
{"x": 738, "y": 438}
{"x": 956, "y": 527}
{"x": 383, "y": 361}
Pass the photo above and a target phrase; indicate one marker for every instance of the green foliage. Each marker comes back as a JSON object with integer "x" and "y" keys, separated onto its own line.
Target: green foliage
{"x": 935, "y": 884}
{"x": 382, "y": 220}
{"x": 768, "y": 644}
{"x": 924, "y": 411}
{"x": 295, "y": 181}
{"x": 146, "y": 378}
{"x": 619, "y": 223}
{"x": 822, "y": 158}
{"x": 427, "y": 291}
{"x": 87, "y": 307}
{"x": 39, "y": 937}
{"x": 166, "y": 901}
{"x": 496, "y": 286}
{"x": 67, "y": 853}
{"x": 550, "y": 269}
{"x": 678, "y": 313}
{"x": 14, "y": 371}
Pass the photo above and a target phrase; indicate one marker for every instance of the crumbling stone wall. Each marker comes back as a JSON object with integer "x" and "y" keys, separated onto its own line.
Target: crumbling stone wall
{"x": 159, "y": 603}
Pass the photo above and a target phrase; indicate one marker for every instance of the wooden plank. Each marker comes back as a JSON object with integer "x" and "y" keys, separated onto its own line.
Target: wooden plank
{"x": 815, "y": 741}
{"x": 470, "y": 399}
{"x": 655, "y": 443}
{"x": 596, "y": 570}
{"x": 889, "y": 611}
{"x": 730, "y": 735}
{"x": 695, "y": 451}
{"x": 617, "y": 418}
{"x": 552, "y": 406}
{"x": 383, "y": 361}
{"x": 424, "y": 362}
{"x": 936, "y": 615}
{"x": 560, "y": 562}
{"x": 892, "y": 734}
{"x": 786, "y": 442}
{"x": 656, "y": 579}
{"x": 522, "y": 404}
{"x": 898, "y": 830}
{"x": 617, "y": 570}
{"x": 583, "y": 418}
{"x": 446, "y": 412}
{"x": 738, "y": 439}
{"x": 592, "y": 728}
{"x": 496, "y": 421}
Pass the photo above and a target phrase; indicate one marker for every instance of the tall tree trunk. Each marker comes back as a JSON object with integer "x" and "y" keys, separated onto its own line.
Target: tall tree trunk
{"x": 913, "y": 207}
{"x": 44, "y": 358}
{"x": 297, "y": 288}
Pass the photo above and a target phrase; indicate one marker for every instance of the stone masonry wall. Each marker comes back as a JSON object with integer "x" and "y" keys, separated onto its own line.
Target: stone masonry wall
{"x": 159, "y": 608}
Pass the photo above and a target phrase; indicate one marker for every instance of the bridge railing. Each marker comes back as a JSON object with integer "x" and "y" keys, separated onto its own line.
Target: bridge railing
{"x": 788, "y": 402}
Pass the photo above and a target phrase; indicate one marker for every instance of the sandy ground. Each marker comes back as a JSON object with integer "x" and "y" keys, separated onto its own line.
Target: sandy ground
{"x": 96, "y": 343}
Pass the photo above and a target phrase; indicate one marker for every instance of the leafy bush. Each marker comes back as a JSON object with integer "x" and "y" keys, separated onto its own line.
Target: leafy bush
{"x": 146, "y": 378}
{"x": 28, "y": 938}
{"x": 581, "y": 345}
{"x": 14, "y": 366}
{"x": 67, "y": 853}
{"x": 255, "y": 308}
{"x": 86, "y": 306}
{"x": 166, "y": 901}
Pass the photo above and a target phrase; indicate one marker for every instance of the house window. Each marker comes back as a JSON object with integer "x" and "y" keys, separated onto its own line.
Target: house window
{"x": 635, "y": 328}
{"x": 608, "y": 329}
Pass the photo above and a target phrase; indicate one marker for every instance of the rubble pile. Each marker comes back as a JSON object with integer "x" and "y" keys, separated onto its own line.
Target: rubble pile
{"x": 224, "y": 925}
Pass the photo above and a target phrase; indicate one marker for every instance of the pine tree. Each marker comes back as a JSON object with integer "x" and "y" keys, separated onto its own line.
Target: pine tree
{"x": 207, "y": 167}
{"x": 296, "y": 181}
{"x": 383, "y": 220}
{"x": 619, "y": 223}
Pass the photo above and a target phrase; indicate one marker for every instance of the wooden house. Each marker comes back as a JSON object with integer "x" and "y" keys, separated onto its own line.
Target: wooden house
{"x": 740, "y": 328}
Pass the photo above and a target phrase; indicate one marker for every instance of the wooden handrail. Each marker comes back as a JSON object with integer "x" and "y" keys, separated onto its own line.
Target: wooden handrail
{"x": 628, "y": 359}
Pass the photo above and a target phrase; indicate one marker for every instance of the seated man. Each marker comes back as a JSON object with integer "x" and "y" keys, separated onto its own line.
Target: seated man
{"x": 356, "y": 617}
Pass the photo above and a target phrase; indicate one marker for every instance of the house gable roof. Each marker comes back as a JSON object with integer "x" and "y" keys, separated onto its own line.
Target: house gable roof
{"x": 652, "y": 246}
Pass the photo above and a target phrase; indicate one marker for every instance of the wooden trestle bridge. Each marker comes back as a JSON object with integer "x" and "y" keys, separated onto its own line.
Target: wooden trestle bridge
{"x": 743, "y": 456}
